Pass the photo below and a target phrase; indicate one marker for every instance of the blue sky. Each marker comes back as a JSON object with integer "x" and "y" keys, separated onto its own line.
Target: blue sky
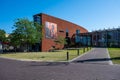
{"x": 91, "y": 14}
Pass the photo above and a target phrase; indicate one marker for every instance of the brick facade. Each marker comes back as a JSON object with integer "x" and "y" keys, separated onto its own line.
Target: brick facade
{"x": 62, "y": 26}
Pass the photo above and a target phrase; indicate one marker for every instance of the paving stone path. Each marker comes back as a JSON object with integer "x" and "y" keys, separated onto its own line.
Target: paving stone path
{"x": 96, "y": 55}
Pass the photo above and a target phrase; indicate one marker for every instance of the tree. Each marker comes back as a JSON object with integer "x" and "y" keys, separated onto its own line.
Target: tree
{"x": 26, "y": 32}
{"x": 2, "y": 35}
{"x": 61, "y": 40}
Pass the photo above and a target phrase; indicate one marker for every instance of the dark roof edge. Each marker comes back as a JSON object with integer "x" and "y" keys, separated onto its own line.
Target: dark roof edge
{"x": 60, "y": 19}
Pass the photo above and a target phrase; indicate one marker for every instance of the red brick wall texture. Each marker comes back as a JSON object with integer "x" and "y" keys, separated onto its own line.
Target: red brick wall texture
{"x": 62, "y": 26}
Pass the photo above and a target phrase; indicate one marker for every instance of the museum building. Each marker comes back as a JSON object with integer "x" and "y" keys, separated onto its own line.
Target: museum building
{"x": 55, "y": 27}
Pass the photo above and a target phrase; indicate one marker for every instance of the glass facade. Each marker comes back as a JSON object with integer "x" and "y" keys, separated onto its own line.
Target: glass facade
{"x": 106, "y": 38}
{"x": 83, "y": 39}
{"x": 77, "y": 37}
{"x": 37, "y": 19}
{"x": 37, "y": 46}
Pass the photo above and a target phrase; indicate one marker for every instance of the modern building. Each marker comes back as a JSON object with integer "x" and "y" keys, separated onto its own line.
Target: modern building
{"x": 106, "y": 37}
{"x": 100, "y": 38}
{"x": 55, "y": 27}
{"x": 83, "y": 39}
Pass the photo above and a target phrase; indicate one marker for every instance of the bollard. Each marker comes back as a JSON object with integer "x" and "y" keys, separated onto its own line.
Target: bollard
{"x": 67, "y": 55}
{"x": 87, "y": 49}
{"x": 78, "y": 52}
{"x": 83, "y": 50}
{"x": 90, "y": 47}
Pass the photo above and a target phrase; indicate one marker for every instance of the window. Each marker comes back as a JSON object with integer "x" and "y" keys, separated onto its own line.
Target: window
{"x": 77, "y": 31}
{"x": 61, "y": 31}
{"x": 67, "y": 32}
{"x": 37, "y": 19}
{"x": 77, "y": 38}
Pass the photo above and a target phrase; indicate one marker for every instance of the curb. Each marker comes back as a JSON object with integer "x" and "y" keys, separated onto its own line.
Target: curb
{"x": 30, "y": 60}
{"x": 110, "y": 62}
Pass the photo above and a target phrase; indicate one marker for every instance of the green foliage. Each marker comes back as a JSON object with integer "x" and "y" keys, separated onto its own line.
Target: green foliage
{"x": 15, "y": 39}
{"x": 26, "y": 32}
{"x": 61, "y": 40}
{"x": 2, "y": 35}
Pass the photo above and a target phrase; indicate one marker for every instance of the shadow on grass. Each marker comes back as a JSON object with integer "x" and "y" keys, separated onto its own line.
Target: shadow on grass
{"x": 97, "y": 59}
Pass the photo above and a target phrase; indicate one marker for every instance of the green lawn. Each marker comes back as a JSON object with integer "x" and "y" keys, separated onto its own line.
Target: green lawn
{"x": 115, "y": 55}
{"x": 58, "y": 55}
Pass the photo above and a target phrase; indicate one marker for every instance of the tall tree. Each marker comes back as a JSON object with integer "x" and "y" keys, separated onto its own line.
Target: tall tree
{"x": 26, "y": 32}
{"x": 2, "y": 35}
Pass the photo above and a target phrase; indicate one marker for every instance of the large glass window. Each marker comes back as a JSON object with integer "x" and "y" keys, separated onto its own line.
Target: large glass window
{"x": 77, "y": 38}
{"x": 77, "y": 31}
{"x": 37, "y": 19}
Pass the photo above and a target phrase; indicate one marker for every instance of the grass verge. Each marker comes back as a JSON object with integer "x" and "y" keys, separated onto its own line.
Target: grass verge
{"x": 115, "y": 55}
{"x": 58, "y": 55}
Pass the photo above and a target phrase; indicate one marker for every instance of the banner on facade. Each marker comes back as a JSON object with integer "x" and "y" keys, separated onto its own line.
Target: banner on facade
{"x": 50, "y": 30}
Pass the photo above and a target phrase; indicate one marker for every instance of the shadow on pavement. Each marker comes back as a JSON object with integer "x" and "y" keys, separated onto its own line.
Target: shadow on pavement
{"x": 97, "y": 59}
{"x": 49, "y": 63}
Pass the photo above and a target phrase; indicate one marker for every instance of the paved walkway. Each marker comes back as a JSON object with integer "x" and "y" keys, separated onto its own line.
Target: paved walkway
{"x": 96, "y": 55}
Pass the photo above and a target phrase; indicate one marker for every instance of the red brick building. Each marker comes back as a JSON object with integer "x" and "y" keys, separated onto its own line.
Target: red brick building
{"x": 55, "y": 27}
